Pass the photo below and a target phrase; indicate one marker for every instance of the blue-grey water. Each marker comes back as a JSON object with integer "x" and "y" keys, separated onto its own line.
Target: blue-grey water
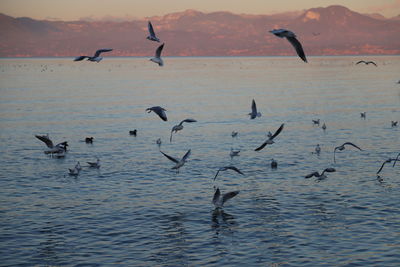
{"x": 136, "y": 211}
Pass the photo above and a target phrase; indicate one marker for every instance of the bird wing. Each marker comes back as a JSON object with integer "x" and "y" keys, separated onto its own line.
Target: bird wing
{"x": 159, "y": 49}
{"x": 334, "y": 154}
{"x": 372, "y": 63}
{"x": 361, "y": 61}
{"x": 397, "y": 158}
{"x": 234, "y": 169}
{"x": 215, "y": 177}
{"x": 383, "y": 164}
{"x": 170, "y": 158}
{"x": 253, "y": 107}
{"x": 216, "y": 196}
{"x": 187, "y": 120}
{"x": 261, "y": 147}
{"x": 98, "y": 52}
{"x": 151, "y": 30}
{"x": 228, "y": 196}
{"x": 299, "y": 49}
{"x": 351, "y": 144}
{"x": 186, "y": 156}
{"x": 80, "y": 58}
{"x": 316, "y": 174}
{"x": 46, "y": 140}
{"x": 329, "y": 170}
{"x": 170, "y": 138}
{"x": 160, "y": 112}
{"x": 277, "y": 131}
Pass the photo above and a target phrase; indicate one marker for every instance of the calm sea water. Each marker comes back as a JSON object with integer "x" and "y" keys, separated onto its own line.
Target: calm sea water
{"x": 136, "y": 211}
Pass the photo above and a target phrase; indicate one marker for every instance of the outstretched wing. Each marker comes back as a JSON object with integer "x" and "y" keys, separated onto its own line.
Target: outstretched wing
{"x": 261, "y": 147}
{"x": 361, "y": 61}
{"x": 170, "y": 158}
{"x": 160, "y": 112}
{"x": 215, "y": 177}
{"x": 373, "y": 63}
{"x": 397, "y": 158}
{"x": 316, "y": 174}
{"x": 98, "y": 52}
{"x": 299, "y": 49}
{"x": 216, "y": 196}
{"x": 46, "y": 140}
{"x": 228, "y": 196}
{"x": 351, "y": 144}
{"x": 159, "y": 49}
{"x": 80, "y": 58}
{"x": 151, "y": 30}
{"x": 234, "y": 169}
{"x": 277, "y": 131}
{"x": 383, "y": 164}
{"x": 186, "y": 156}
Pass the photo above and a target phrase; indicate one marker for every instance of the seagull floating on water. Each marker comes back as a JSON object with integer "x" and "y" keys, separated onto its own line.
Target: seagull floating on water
{"x": 134, "y": 132}
{"x": 274, "y": 164}
{"x": 227, "y": 168}
{"x": 323, "y": 126}
{"x": 291, "y": 37}
{"x": 179, "y": 127}
{"x": 317, "y": 149}
{"x": 316, "y": 122}
{"x": 157, "y": 58}
{"x": 363, "y": 115}
{"x": 234, "y": 153}
{"x": 96, "y": 57}
{"x": 219, "y": 201}
{"x": 54, "y": 149}
{"x": 158, "y": 142}
{"x": 270, "y": 139}
{"x": 152, "y": 34}
{"x": 342, "y": 147}
{"x": 320, "y": 176}
{"x": 367, "y": 62}
{"x": 234, "y": 134}
{"x": 89, "y": 140}
{"x": 159, "y": 111}
{"x": 94, "y": 164}
{"x": 179, "y": 163}
{"x": 254, "y": 113}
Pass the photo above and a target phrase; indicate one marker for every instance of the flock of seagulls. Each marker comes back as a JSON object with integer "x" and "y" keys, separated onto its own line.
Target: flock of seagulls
{"x": 218, "y": 200}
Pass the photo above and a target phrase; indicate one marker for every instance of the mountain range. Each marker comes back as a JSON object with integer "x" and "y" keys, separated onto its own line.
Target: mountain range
{"x": 333, "y": 30}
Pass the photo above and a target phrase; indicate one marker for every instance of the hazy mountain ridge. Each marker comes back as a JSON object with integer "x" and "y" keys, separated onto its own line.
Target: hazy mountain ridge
{"x": 334, "y": 30}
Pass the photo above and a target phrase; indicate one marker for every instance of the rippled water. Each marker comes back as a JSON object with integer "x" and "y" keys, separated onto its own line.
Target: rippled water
{"x": 136, "y": 211}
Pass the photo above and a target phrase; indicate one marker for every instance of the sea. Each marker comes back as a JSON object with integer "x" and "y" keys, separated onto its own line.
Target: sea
{"x": 135, "y": 210}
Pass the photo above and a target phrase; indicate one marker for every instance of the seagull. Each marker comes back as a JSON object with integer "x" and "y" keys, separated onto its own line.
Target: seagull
{"x": 96, "y": 57}
{"x": 157, "y": 58}
{"x": 234, "y": 153}
{"x": 219, "y": 201}
{"x": 387, "y": 161}
{"x": 134, "y": 132}
{"x": 227, "y": 168}
{"x": 159, "y": 111}
{"x": 75, "y": 171}
{"x": 59, "y": 148}
{"x": 234, "y": 134}
{"x": 158, "y": 142}
{"x": 254, "y": 112}
{"x": 179, "y": 163}
{"x": 94, "y": 164}
{"x": 152, "y": 36}
{"x": 291, "y": 37}
{"x": 316, "y": 122}
{"x": 270, "y": 139}
{"x": 89, "y": 140}
{"x": 363, "y": 114}
{"x": 320, "y": 176}
{"x": 394, "y": 123}
{"x": 78, "y": 166}
{"x": 342, "y": 147}
{"x": 274, "y": 164}
{"x": 323, "y": 126}
{"x": 179, "y": 127}
{"x": 317, "y": 149}
{"x": 367, "y": 62}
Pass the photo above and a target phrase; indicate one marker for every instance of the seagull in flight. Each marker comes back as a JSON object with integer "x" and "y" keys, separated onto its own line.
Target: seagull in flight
{"x": 363, "y": 115}
{"x": 291, "y": 37}
{"x": 152, "y": 34}
{"x": 219, "y": 201}
{"x": 389, "y": 161}
{"x": 54, "y": 149}
{"x": 366, "y": 62}
{"x": 96, "y": 57}
{"x": 179, "y": 163}
{"x": 157, "y": 58}
{"x": 179, "y": 127}
{"x": 94, "y": 164}
{"x": 394, "y": 123}
{"x": 254, "y": 113}
{"x": 342, "y": 147}
{"x": 320, "y": 176}
{"x": 270, "y": 139}
{"x": 159, "y": 111}
{"x": 233, "y": 168}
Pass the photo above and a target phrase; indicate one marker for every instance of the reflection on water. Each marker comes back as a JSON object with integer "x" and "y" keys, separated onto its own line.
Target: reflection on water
{"x": 136, "y": 211}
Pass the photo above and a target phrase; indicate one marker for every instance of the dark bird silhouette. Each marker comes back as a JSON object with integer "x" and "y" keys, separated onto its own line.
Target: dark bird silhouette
{"x": 291, "y": 37}
{"x": 227, "y": 168}
{"x": 152, "y": 35}
{"x": 254, "y": 113}
{"x": 96, "y": 57}
{"x": 320, "y": 176}
{"x": 134, "y": 132}
{"x": 342, "y": 147}
{"x": 270, "y": 139}
{"x": 159, "y": 111}
{"x": 366, "y": 62}
{"x": 219, "y": 201}
{"x": 89, "y": 140}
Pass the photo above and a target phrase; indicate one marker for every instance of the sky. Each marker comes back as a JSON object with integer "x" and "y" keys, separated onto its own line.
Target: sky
{"x": 131, "y": 9}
